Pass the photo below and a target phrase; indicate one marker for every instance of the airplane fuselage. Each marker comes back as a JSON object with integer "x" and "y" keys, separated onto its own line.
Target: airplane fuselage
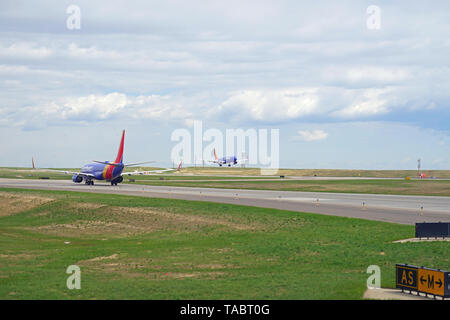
{"x": 103, "y": 171}
{"x": 227, "y": 160}
{"x": 100, "y": 171}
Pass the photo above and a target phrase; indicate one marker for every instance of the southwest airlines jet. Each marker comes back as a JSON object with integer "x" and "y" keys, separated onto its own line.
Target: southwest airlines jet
{"x": 231, "y": 160}
{"x": 109, "y": 171}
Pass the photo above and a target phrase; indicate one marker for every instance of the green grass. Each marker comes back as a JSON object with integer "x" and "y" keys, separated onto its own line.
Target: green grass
{"x": 214, "y": 170}
{"x": 399, "y": 187}
{"x": 194, "y": 250}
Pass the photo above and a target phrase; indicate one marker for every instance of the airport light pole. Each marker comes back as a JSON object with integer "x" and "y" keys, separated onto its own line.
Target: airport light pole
{"x": 418, "y": 167}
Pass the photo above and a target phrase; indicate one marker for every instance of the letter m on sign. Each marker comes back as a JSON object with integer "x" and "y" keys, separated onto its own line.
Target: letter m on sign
{"x": 431, "y": 281}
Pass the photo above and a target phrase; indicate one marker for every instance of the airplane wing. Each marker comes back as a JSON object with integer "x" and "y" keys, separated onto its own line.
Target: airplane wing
{"x": 132, "y": 173}
{"x": 120, "y": 165}
{"x": 153, "y": 171}
{"x": 70, "y": 172}
{"x": 137, "y": 163}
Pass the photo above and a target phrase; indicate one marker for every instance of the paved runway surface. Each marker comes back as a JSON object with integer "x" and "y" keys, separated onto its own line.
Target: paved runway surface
{"x": 389, "y": 208}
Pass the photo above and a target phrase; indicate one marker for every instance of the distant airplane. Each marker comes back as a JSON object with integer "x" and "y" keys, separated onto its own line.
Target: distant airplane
{"x": 231, "y": 160}
{"x": 109, "y": 171}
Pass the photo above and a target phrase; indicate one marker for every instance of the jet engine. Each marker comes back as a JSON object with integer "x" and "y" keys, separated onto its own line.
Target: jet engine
{"x": 117, "y": 180}
{"x": 77, "y": 179}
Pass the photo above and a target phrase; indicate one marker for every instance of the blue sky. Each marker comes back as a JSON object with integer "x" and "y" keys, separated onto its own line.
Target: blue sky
{"x": 341, "y": 94}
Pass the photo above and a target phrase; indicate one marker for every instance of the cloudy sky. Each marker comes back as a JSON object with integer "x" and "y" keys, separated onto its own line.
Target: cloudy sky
{"x": 347, "y": 87}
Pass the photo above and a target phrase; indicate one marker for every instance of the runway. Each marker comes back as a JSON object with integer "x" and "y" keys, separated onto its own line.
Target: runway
{"x": 388, "y": 208}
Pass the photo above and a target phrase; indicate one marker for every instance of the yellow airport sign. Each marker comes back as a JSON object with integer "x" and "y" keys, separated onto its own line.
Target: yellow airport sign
{"x": 431, "y": 281}
{"x": 406, "y": 277}
{"x": 420, "y": 279}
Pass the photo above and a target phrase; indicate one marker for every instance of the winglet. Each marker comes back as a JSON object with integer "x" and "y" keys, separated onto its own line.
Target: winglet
{"x": 119, "y": 158}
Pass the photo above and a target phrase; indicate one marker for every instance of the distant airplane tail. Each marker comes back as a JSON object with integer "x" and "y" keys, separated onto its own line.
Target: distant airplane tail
{"x": 215, "y": 155}
{"x": 119, "y": 158}
{"x": 32, "y": 162}
{"x": 179, "y": 166}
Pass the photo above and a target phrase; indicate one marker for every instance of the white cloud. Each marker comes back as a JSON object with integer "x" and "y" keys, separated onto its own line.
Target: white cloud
{"x": 368, "y": 74}
{"x": 369, "y": 102}
{"x": 26, "y": 50}
{"x": 271, "y": 105}
{"x": 94, "y": 108}
{"x": 314, "y": 135}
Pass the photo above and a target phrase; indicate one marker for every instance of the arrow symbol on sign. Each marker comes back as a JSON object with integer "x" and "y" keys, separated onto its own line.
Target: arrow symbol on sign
{"x": 439, "y": 283}
{"x": 422, "y": 280}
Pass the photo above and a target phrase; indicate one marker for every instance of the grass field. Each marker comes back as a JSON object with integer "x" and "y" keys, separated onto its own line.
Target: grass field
{"x": 144, "y": 248}
{"x": 399, "y": 187}
{"x": 317, "y": 172}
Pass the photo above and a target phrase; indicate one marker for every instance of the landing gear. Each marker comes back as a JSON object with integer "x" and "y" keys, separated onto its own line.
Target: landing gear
{"x": 89, "y": 182}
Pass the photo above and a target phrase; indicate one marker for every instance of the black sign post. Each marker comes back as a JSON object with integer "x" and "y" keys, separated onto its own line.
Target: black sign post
{"x": 433, "y": 230}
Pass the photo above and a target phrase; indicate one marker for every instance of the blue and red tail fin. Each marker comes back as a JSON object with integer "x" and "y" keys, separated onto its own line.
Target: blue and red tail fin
{"x": 119, "y": 158}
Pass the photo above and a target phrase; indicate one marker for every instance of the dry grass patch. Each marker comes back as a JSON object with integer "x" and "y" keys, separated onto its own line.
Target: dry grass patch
{"x": 12, "y": 203}
{"x": 215, "y": 266}
{"x": 111, "y": 257}
{"x": 162, "y": 220}
{"x": 125, "y": 221}
{"x": 135, "y": 268}
{"x": 177, "y": 275}
{"x": 84, "y": 205}
{"x": 82, "y": 228}
{"x": 17, "y": 257}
